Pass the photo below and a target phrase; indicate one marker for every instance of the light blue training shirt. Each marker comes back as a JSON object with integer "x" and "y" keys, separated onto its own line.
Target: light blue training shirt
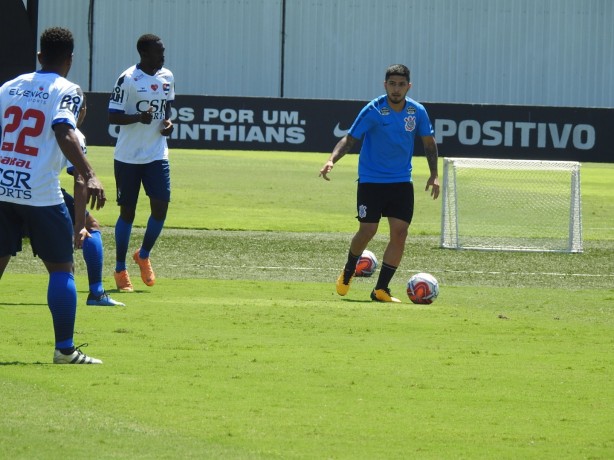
{"x": 388, "y": 139}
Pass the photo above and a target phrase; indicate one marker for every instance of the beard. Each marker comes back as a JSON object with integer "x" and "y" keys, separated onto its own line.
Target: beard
{"x": 396, "y": 99}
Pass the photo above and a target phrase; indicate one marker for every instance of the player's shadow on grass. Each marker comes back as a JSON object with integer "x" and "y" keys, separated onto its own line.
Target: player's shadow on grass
{"x": 359, "y": 300}
{"x": 22, "y": 304}
{"x": 124, "y": 295}
{"x": 21, "y": 363}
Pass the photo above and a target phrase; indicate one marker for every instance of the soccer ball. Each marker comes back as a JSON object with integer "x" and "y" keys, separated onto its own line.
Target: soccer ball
{"x": 422, "y": 288}
{"x": 366, "y": 265}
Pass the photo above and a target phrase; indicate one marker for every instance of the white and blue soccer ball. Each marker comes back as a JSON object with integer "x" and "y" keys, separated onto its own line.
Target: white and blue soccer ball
{"x": 422, "y": 288}
{"x": 366, "y": 265}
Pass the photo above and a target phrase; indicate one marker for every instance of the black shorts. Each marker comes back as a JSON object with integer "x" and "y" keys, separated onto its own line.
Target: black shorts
{"x": 374, "y": 201}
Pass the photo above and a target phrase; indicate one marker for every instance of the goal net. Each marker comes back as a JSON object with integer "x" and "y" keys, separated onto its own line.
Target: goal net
{"x": 511, "y": 205}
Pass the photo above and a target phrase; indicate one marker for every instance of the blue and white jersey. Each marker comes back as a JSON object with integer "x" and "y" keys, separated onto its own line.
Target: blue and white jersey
{"x": 30, "y": 157}
{"x": 134, "y": 92}
{"x": 388, "y": 139}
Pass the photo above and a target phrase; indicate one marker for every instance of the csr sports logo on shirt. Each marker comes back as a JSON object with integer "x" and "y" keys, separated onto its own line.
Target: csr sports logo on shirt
{"x": 15, "y": 183}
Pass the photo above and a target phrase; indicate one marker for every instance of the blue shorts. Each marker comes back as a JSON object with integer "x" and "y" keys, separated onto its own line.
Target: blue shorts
{"x": 374, "y": 201}
{"x": 155, "y": 177}
{"x": 48, "y": 227}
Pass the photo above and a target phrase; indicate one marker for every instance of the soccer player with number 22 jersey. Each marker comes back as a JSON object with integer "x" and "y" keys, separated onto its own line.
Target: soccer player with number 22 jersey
{"x": 38, "y": 121}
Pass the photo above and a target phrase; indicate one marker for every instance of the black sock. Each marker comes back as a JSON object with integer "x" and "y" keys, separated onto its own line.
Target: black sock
{"x": 67, "y": 351}
{"x": 385, "y": 276}
{"x": 350, "y": 266}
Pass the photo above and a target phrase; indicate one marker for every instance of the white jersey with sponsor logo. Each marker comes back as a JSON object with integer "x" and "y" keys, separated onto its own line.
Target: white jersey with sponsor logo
{"x": 30, "y": 159}
{"x": 134, "y": 92}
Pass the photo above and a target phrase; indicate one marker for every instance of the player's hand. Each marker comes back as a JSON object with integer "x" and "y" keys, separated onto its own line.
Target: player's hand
{"x": 95, "y": 193}
{"x": 328, "y": 167}
{"x": 167, "y": 128}
{"x": 147, "y": 117}
{"x": 80, "y": 236}
{"x": 433, "y": 183}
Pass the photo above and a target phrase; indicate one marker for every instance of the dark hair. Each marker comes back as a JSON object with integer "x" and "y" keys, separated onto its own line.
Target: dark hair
{"x": 56, "y": 45}
{"x": 397, "y": 69}
{"x": 145, "y": 41}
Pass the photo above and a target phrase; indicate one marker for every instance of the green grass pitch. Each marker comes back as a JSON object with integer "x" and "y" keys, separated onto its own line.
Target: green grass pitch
{"x": 242, "y": 349}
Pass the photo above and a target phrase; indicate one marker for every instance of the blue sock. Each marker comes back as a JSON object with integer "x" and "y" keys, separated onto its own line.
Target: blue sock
{"x": 152, "y": 232}
{"x": 122, "y": 239}
{"x": 62, "y": 300}
{"x": 93, "y": 256}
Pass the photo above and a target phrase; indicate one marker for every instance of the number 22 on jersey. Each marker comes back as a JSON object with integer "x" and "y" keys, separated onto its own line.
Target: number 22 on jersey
{"x": 33, "y": 122}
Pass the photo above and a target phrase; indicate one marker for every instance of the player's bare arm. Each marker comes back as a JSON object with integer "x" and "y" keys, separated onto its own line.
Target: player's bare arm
{"x": 71, "y": 148}
{"x": 344, "y": 145}
{"x": 430, "y": 150}
{"x": 80, "y": 196}
{"x": 167, "y": 124}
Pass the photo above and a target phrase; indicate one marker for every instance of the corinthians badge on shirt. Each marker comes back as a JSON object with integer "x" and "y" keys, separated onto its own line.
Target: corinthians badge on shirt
{"x": 410, "y": 123}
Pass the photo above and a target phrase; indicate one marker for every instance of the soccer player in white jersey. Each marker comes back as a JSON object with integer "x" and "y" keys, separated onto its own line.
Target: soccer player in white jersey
{"x": 92, "y": 248}
{"x": 388, "y": 126}
{"x": 37, "y": 118}
{"x": 141, "y": 105}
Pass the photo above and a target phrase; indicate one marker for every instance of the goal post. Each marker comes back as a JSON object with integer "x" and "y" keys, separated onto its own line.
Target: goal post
{"x": 511, "y": 205}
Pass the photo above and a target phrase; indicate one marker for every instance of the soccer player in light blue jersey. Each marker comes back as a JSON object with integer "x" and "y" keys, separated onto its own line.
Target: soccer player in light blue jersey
{"x": 387, "y": 126}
